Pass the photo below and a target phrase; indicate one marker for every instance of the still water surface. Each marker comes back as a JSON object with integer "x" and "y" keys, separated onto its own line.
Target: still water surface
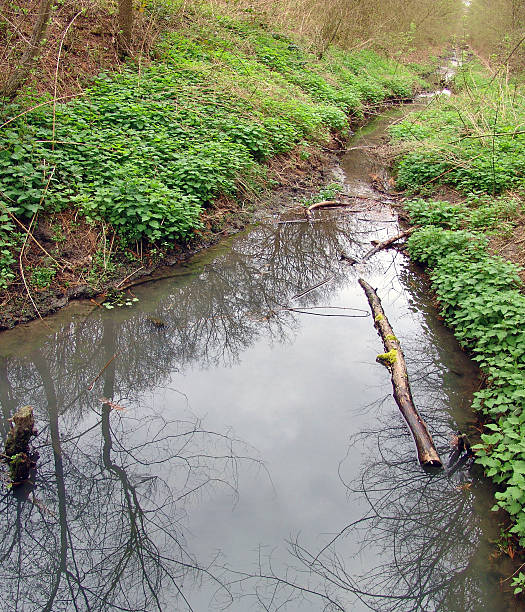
{"x": 222, "y": 445}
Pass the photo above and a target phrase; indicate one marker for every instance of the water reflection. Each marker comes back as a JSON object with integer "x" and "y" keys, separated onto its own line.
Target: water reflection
{"x": 124, "y": 463}
{"x": 101, "y": 528}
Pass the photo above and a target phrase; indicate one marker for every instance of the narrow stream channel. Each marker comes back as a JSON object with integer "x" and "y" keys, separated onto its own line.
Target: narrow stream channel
{"x": 210, "y": 447}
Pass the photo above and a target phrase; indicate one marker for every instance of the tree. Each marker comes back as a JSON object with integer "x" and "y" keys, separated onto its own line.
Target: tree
{"x": 125, "y": 19}
{"x": 21, "y": 72}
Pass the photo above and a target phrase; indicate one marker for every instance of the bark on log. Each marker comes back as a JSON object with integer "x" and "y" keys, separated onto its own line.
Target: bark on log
{"x": 16, "y": 453}
{"x": 394, "y": 360}
{"x": 386, "y": 243}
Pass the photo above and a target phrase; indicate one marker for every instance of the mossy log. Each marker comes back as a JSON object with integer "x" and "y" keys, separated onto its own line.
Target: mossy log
{"x": 394, "y": 360}
{"x": 16, "y": 453}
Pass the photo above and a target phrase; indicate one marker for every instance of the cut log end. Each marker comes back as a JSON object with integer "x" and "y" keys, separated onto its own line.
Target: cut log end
{"x": 16, "y": 453}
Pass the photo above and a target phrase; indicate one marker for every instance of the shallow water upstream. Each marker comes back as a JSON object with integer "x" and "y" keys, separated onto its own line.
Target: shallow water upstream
{"x": 227, "y": 441}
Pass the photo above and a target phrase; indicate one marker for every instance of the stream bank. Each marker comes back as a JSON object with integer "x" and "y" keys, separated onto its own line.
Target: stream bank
{"x": 149, "y": 163}
{"x": 240, "y": 443}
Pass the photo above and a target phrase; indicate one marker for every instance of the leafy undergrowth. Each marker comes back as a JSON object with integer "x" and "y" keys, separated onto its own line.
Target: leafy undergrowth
{"x": 473, "y": 141}
{"x": 480, "y": 293}
{"x": 144, "y": 152}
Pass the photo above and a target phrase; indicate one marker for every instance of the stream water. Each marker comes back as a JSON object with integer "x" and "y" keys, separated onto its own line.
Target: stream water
{"x": 227, "y": 441}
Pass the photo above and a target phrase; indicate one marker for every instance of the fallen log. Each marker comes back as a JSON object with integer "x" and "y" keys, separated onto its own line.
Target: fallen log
{"x": 16, "y": 452}
{"x": 325, "y": 204}
{"x": 394, "y": 360}
{"x": 386, "y": 243}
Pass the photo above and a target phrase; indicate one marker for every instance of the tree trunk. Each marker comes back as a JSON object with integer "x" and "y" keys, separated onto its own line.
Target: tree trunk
{"x": 125, "y": 20}
{"x": 394, "y": 360}
{"x": 16, "y": 452}
{"x": 20, "y": 74}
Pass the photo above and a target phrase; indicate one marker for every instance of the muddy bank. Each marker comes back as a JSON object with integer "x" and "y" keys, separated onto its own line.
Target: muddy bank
{"x": 66, "y": 249}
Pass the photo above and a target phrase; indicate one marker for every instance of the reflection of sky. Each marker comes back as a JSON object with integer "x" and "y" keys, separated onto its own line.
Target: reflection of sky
{"x": 294, "y": 397}
{"x": 297, "y": 404}
{"x": 294, "y": 389}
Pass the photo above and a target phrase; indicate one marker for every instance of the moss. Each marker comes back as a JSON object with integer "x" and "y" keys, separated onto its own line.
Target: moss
{"x": 378, "y": 318}
{"x": 392, "y": 338}
{"x": 387, "y": 359}
{"x": 19, "y": 466}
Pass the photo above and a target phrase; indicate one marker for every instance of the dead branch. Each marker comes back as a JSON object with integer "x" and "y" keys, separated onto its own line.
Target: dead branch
{"x": 387, "y": 243}
{"x": 325, "y": 204}
{"x": 394, "y": 360}
{"x": 316, "y": 286}
{"x": 90, "y": 388}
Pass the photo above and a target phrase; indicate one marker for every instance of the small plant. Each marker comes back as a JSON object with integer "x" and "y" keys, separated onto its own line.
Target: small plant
{"x": 42, "y": 276}
{"x": 518, "y": 582}
{"x": 118, "y": 299}
{"x": 58, "y": 233}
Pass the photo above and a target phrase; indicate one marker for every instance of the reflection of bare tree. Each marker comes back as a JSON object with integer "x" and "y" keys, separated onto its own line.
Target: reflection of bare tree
{"x": 103, "y": 530}
{"x": 103, "y": 527}
{"x": 430, "y": 532}
{"x": 427, "y": 533}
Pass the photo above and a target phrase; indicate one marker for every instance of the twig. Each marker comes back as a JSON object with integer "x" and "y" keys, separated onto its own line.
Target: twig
{"x": 90, "y": 388}
{"x": 327, "y": 314}
{"x": 20, "y": 224}
{"x": 20, "y": 258}
{"x": 21, "y": 265}
{"x": 302, "y": 221}
{"x": 128, "y": 276}
{"x": 303, "y": 293}
{"x": 56, "y": 77}
{"x": 38, "y": 106}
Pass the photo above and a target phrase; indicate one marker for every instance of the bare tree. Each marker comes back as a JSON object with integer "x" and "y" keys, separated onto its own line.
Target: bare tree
{"x": 21, "y": 72}
{"x": 125, "y": 20}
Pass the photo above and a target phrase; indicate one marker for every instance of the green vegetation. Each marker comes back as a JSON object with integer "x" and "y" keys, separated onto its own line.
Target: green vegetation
{"x": 472, "y": 142}
{"x": 148, "y": 149}
{"x": 9, "y": 240}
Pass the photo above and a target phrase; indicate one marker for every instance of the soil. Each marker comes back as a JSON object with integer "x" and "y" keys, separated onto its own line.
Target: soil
{"x": 88, "y": 48}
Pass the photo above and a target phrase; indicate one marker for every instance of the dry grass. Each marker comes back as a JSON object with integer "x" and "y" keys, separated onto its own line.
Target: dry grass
{"x": 397, "y": 27}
